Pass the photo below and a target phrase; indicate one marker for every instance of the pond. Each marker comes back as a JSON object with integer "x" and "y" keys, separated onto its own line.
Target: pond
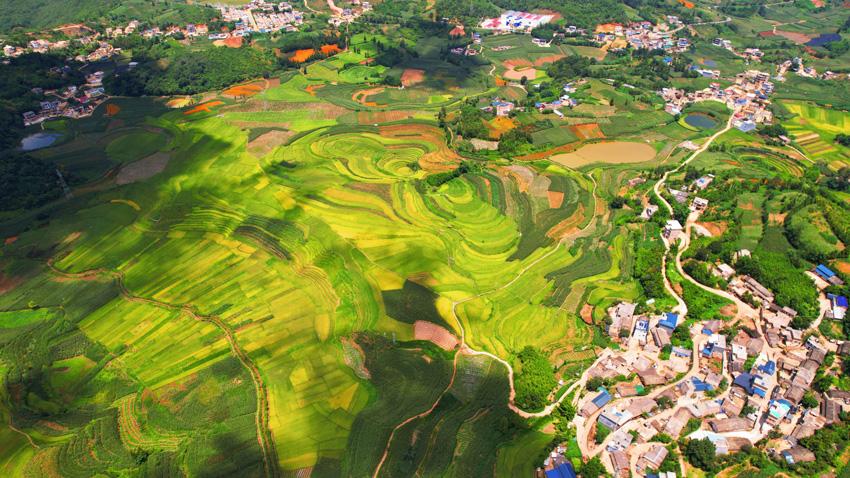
{"x": 701, "y": 121}
{"x": 39, "y": 140}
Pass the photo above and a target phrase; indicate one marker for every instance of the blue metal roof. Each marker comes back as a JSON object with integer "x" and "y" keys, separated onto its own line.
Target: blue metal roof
{"x": 700, "y": 386}
{"x": 564, "y": 470}
{"x": 769, "y": 368}
{"x": 837, "y": 300}
{"x": 824, "y": 271}
{"x": 601, "y": 399}
{"x": 670, "y": 321}
{"x": 745, "y": 381}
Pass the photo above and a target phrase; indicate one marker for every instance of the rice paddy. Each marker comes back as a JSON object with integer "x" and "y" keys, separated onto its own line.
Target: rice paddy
{"x": 814, "y": 128}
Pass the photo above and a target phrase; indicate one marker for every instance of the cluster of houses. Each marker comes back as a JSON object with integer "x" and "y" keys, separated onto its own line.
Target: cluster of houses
{"x": 640, "y": 35}
{"x": 796, "y": 65}
{"x": 69, "y": 102}
{"x": 749, "y": 54}
{"x": 739, "y": 383}
{"x": 513, "y": 21}
{"x": 262, "y": 17}
{"x": 564, "y": 101}
{"x": 742, "y": 386}
{"x": 747, "y": 97}
{"x": 100, "y": 49}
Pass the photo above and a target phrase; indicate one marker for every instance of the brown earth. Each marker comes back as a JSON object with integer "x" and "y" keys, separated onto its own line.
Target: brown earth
{"x": 556, "y": 198}
{"x": 412, "y": 76}
{"x": 715, "y": 228}
{"x": 543, "y": 60}
{"x": 266, "y": 142}
{"x": 431, "y": 332}
{"x": 587, "y": 314}
{"x": 587, "y": 130}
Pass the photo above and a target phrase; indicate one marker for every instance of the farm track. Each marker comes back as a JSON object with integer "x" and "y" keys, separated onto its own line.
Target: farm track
{"x": 264, "y": 436}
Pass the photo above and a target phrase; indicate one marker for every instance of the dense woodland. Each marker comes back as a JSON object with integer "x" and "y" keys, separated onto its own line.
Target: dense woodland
{"x": 38, "y": 14}
{"x": 189, "y": 72}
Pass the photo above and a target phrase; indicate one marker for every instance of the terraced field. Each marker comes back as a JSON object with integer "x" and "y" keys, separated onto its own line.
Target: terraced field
{"x": 814, "y": 129}
{"x": 261, "y": 288}
{"x": 244, "y": 302}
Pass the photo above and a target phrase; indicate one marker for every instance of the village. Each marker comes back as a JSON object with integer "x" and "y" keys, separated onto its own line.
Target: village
{"x": 732, "y": 382}
{"x": 747, "y": 97}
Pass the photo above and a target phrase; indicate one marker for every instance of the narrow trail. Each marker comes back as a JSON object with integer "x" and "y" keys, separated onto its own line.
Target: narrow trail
{"x": 25, "y": 434}
{"x": 264, "y": 436}
{"x": 464, "y": 349}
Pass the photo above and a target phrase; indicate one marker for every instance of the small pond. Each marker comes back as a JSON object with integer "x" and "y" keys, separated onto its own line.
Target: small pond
{"x": 701, "y": 121}
{"x": 39, "y": 140}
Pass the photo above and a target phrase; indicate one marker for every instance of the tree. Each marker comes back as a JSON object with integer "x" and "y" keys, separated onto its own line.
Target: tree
{"x": 809, "y": 400}
{"x": 617, "y": 203}
{"x": 602, "y": 432}
{"x": 701, "y": 453}
{"x": 664, "y": 402}
{"x": 594, "y": 383}
{"x": 592, "y": 469}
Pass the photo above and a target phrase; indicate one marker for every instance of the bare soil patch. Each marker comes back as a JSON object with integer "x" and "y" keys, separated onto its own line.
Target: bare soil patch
{"x": 548, "y": 59}
{"x": 611, "y": 152}
{"x": 266, "y": 142}
{"x": 729, "y": 310}
{"x": 431, "y": 332}
{"x": 715, "y": 228}
{"x": 372, "y": 117}
{"x": 587, "y": 131}
{"x": 362, "y": 96}
{"x": 143, "y": 168}
{"x": 587, "y": 314}
{"x": 796, "y": 37}
{"x": 412, "y": 76}
{"x": 517, "y": 75}
{"x": 556, "y": 198}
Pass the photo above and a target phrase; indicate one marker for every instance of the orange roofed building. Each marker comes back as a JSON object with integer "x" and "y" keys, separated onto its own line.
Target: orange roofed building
{"x": 457, "y": 31}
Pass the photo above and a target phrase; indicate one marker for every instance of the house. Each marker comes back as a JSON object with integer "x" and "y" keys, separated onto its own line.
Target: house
{"x": 650, "y": 376}
{"x": 681, "y": 352}
{"x": 733, "y": 424}
{"x": 652, "y": 459}
{"x": 648, "y": 211}
{"x": 620, "y": 463}
{"x": 751, "y": 384}
{"x": 660, "y": 337}
{"x": 679, "y": 196}
{"x": 502, "y": 108}
{"x": 844, "y": 349}
{"x": 673, "y": 230}
{"x": 777, "y": 411}
{"x": 596, "y": 403}
{"x": 628, "y": 389}
{"x": 798, "y": 454}
{"x": 622, "y": 316}
{"x": 699, "y": 204}
{"x": 703, "y": 182}
{"x": 724, "y": 271}
{"x": 563, "y": 470}
{"x": 828, "y": 275}
{"x": 677, "y": 422}
{"x": 641, "y": 330}
{"x": 711, "y": 327}
{"x": 838, "y": 305}
{"x": 669, "y": 322}
{"x": 732, "y": 405}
